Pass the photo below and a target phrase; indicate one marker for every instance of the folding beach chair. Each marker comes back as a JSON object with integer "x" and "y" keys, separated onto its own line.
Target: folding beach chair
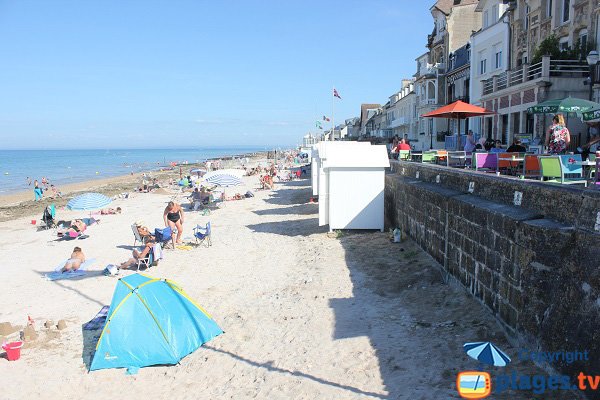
{"x": 164, "y": 236}
{"x": 146, "y": 261}
{"x": 137, "y": 236}
{"x": 48, "y": 217}
{"x": 202, "y": 234}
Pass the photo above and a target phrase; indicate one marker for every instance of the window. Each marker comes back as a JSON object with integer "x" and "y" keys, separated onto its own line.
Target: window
{"x": 548, "y": 8}
{"x": 563, "y": 44}
{"x": 485, "y": 19}
{"x": 566, "y": 9}
{"x": 499, "y": 59}
{"x": 526, "y": 18}
{"x": 482, "y": 66}
{"x": 583, "y": 38}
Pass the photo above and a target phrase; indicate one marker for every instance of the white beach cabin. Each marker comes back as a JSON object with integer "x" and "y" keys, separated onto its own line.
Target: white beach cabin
{"x": 355, "y": 183}
{"x": 319, "y": 155}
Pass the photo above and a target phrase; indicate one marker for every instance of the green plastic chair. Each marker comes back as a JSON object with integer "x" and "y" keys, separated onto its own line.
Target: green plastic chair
{"x": 429, "y": 156}
{"x": 553, "y": 172}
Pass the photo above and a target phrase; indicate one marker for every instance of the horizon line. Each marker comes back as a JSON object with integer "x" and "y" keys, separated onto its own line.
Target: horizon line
{"x": 223, "y": 147}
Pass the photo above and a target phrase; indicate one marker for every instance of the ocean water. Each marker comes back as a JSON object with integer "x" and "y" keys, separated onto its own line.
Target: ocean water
{"x": 69, "y": 166}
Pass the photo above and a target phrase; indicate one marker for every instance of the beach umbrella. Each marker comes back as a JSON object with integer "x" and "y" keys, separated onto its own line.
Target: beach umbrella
{"x": 231, "y": 171}
{"x": 486, "y": 353}
{"x": 88, "y": 201}
{"x": 458, "y": 110}
{"x": 223, "y": 180}
{"x": 592, "y": 115}
{"x": 198, "y": 171}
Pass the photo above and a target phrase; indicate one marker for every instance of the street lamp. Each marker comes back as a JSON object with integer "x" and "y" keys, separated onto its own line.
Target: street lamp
{"x": 592, "y": 60}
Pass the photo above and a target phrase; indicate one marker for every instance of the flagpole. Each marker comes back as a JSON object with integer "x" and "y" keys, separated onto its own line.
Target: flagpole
{"x": 332, "y": 114}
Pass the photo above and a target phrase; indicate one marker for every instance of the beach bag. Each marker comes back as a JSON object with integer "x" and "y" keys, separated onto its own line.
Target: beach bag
{"x": 249, "y": 194}
{"x": 111, "y": 270}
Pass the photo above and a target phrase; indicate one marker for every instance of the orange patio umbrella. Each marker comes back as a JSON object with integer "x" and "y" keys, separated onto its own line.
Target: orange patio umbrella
{"x": 458, "y": 110}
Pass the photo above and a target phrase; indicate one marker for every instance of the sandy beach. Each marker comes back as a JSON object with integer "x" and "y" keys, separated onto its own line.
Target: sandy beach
{"x": 307, "y": 314}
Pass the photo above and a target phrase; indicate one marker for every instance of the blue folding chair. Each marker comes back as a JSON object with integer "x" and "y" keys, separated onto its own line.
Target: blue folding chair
{"x": 164, "y": 236}
{"x": 202, "y": 234}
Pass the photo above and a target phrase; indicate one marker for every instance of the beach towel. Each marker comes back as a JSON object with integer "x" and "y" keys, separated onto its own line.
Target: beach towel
{"x": 98, "y": 321}
{"x": 90, "y": 221}
{"x": 158, "y": 253}
{"x": 184, "y": 247}
{"x": 57, "y": 275}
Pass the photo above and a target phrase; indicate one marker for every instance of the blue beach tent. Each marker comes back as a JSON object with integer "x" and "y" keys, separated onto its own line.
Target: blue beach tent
{"x": 150, "y": 322}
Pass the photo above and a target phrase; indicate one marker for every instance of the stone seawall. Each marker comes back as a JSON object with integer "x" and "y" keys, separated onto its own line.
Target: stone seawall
{"x": 529, "y": 251}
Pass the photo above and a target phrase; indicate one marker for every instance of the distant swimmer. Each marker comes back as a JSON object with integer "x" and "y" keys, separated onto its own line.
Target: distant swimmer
{"x": 28, "y": 181}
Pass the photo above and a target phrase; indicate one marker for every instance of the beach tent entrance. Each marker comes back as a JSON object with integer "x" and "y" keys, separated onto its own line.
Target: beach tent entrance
{"x": 151, "y": 322}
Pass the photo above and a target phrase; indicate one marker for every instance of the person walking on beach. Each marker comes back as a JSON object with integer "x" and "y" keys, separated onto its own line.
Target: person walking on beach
{"x": 173, "y": 217}
{"x": 37, "y": 191}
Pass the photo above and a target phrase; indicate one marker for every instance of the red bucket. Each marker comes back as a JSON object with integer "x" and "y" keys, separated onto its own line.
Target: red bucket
{"x": 13, "y": 350}
{"x": 33, "y": 222}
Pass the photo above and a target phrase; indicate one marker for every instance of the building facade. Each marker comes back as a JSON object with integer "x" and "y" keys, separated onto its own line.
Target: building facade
{"x": 490, "y": 51}
{"x": 532, "y": 78}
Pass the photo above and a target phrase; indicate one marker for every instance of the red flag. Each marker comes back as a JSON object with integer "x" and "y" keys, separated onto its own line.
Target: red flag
{"x": 326, "y": 119}
{"x": 336, "y": 94}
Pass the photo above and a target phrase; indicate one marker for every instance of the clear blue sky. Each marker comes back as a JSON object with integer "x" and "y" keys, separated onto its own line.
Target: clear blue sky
{"x": 124, "y": 73}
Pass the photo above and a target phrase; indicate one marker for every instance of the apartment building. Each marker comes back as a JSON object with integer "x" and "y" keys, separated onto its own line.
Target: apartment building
{"x": 531, "y": 78}
{"x": 454, "y": 21}
{"x": 490, "y": 51}
{"x": 458, "y": 82}
{"x": 401, "y": 116}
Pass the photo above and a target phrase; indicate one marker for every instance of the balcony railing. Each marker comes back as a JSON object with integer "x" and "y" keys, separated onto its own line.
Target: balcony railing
{"x": 546, "y": 69}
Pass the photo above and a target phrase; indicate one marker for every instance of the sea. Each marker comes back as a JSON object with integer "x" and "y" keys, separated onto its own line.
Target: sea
{"x": 62, "y": 167}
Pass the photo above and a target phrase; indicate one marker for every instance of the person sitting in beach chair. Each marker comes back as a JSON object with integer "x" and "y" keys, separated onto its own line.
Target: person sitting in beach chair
{"x": 141, "y": 233}
{"x": 140, "y": 258}
{"x": 74, "y": 262}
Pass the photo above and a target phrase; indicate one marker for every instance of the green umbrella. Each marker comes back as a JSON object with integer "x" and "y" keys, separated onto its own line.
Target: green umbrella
{"x": 591, "y": 115}
{"x": 567, "y": 105}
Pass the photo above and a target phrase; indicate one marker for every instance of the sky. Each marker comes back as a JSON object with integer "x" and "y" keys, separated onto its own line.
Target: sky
{"x": 175, "y": 73}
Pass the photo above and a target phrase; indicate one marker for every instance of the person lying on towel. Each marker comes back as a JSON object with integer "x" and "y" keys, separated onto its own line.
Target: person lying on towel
{"x": 73, "y": 263}
{"x": 77, "y": 227}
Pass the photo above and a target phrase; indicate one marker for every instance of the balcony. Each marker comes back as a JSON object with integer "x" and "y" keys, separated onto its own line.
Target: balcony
{"x": 395, "y": 123}
{"x": 544, "y": 70}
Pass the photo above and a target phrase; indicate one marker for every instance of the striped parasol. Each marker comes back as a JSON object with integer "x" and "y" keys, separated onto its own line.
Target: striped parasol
{"x": 230, "y": 171}
{"x": 486, "y": 353}
{"x": 88, "y": 201}
{"x": 224, "y": 180}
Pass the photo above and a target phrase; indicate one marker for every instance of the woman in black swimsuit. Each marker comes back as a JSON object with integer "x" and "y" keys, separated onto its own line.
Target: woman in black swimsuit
{"x": 173, "y": 217}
